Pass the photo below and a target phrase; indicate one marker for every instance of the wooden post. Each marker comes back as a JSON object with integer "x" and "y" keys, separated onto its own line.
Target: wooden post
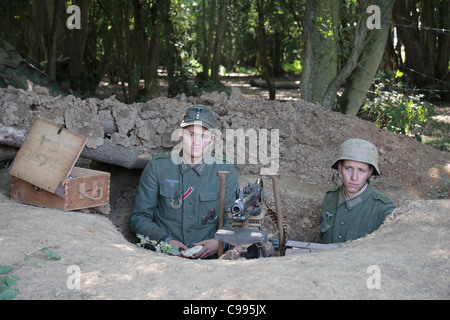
{"x": 276, "y": 193}
{"x": 223, "y": 176}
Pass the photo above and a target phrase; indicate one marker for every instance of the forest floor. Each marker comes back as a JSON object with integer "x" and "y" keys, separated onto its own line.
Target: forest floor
{"x": 410, "y": 250}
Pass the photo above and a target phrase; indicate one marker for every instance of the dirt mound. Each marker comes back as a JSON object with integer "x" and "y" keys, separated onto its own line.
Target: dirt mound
{"x": 412, "y": 267}
{"x": 109, "y": 267}
{"x": 308, "y": 140}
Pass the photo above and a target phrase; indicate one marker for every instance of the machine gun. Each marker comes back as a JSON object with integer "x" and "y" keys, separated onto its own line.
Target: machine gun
{"x": 246, "y": 216}
{"x": 248, "y": 202}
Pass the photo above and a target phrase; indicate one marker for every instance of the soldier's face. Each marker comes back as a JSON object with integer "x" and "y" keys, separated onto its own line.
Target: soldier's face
{"x": 195, "y": 140}
{"x": 354, "y": 175}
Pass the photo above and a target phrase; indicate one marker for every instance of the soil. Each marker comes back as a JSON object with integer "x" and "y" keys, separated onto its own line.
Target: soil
{"x": 410, "y": 249}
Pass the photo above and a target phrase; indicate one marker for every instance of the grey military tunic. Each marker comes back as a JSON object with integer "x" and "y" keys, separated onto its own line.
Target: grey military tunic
{"x": 180, "y": 201}
{"x": 343, "y": 220}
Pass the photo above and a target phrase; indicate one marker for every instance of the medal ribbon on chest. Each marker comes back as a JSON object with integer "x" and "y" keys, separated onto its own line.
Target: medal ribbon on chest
{"x": 188, "y": 193}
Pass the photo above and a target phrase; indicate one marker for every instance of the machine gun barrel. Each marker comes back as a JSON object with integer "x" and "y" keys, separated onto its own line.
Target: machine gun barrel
{"x": 249, "y": 196}
{"x": 240, "y": 205}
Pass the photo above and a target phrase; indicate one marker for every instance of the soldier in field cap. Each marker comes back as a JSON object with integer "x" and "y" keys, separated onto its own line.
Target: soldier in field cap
{"x": 178, "y": 201}
{"x": 354, "y": 208}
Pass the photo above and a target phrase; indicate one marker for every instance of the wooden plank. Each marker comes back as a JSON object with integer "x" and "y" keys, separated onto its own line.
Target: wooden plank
{"x": 27, "y": 193}
{"x": 291, "y": 251}
{"x": 312, "y": 245}
{"x": 47, "y": 156}
{"x": 298, "y": 247}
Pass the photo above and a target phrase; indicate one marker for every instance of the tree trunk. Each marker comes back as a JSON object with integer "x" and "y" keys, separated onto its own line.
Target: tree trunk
{"x": 175, "y": 73}
{"x": 136, "y": 53}
{"x": 77, "y": 42}
{"x": 352, "y": 62}
{"x": 51, "y": 37}
{"x": 262, "y": 50}
{"x": 208, "y": 37}
{"x": 135, "y": 157}
{"x": 443, "y": 54}
{"x": 418, "y": 59}
{"x": 221, "y": 28}
{"x": 362, "y": 77}
{"x": 151, "y": 80}
{"x": 320, "y": 65}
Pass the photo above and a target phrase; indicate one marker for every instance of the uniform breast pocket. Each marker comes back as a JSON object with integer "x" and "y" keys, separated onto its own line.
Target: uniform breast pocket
{"x": 209, "y": 208}
{"x": 169, "y": 204}
{"x": 324, "y": 226}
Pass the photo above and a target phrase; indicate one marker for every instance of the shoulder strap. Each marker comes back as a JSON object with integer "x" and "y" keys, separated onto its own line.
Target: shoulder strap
{"x": 161, "y": 155}
{"x": 384, "y": 198}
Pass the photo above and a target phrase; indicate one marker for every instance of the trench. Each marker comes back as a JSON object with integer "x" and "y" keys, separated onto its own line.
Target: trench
{"x": 125, "y": 181}
{"x": 123, "y": 184}
{"x": 122, "y": 190}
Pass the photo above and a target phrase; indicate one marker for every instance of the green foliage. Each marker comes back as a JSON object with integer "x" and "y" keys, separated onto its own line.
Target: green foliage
{"x": 390, "y": 106}
{"x": 161, "y": 247}
{"x": 294, "y": 67}
{"x": 6, "y": 282}
{"x": 443, "y": 193}
{"x": 51, "y": 255}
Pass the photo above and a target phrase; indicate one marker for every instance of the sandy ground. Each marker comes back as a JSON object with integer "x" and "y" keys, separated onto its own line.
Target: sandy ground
{"x": 411, "y": 252}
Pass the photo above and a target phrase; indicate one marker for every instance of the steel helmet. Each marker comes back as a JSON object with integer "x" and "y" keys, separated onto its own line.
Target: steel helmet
{"x": 358, "y": 150}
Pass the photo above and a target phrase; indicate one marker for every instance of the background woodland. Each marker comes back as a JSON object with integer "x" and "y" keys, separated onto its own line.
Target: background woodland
{"x": 338, "y": 49}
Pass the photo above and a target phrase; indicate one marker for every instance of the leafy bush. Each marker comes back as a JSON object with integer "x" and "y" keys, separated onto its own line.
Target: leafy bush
{"x": 6, "y": 282}
{"x": 294, "y": 67}
{"x": 161, "y": 247}
{"x": 390, "y": 106}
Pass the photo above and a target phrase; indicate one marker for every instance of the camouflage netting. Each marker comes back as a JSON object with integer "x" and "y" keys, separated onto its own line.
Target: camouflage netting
{"x": 308, "y": 140}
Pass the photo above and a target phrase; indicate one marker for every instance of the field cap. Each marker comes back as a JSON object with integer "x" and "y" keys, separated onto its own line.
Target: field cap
{"x": 199, "y": 115}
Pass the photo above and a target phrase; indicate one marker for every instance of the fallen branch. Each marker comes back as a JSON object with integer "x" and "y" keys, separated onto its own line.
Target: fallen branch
{"x": 128, "y": 157}
{"x": 278, "y": 84}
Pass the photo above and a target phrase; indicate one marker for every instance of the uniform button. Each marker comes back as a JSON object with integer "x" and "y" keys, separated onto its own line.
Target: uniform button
{"x": 188, "y": 230}
{"x": 342, "y": 223}
{"x": 339, "y": 237}
{"x": 191, "y": 202}
{"x": 190, "y": 217}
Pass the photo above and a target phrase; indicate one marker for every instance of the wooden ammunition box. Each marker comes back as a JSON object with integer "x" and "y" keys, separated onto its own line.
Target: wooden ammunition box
{"x": 44, "y": 173}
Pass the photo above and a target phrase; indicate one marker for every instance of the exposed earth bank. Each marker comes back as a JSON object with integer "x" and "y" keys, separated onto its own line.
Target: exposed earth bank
{"x": 411, "y": 249}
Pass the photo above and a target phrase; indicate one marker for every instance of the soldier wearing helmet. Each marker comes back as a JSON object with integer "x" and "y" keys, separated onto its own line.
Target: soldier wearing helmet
{"x": 177, "y": 199}
{"x": 354, "y": 208}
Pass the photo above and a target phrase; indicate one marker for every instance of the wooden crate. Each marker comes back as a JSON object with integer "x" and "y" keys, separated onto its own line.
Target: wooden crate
{"x": 43, "y": 172}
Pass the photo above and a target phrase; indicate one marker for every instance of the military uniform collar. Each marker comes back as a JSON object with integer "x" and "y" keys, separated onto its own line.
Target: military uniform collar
{"x": 351, "y": 203}
{"x": 197, "y": 168}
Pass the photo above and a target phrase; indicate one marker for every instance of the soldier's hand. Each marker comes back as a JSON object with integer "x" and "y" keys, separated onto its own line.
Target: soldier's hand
{"x": 210, "y": 247}
{"x": 177, "y": 244}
